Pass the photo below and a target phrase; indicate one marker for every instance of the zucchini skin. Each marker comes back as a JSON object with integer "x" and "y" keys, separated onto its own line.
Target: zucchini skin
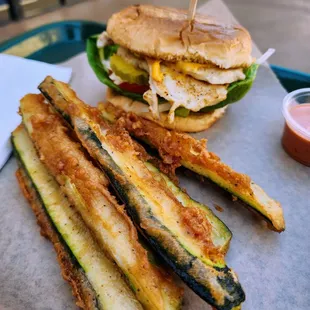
{"x": 202, "y": 278}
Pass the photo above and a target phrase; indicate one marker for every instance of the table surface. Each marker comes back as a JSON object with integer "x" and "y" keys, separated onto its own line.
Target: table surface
{"x": 273, "y": 268}
{"x": 282, "y": 24}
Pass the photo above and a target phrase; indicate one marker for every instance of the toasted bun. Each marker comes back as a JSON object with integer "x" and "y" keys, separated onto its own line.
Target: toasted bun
{"x": 165, "y": 33}
{"x": 192, "y": 123}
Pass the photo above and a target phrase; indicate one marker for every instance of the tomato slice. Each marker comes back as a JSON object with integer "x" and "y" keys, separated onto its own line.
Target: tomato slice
{"x": 134, "y": 88}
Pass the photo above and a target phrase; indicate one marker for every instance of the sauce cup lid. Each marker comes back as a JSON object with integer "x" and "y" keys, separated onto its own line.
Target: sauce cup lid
{"x": 289, "y": 101}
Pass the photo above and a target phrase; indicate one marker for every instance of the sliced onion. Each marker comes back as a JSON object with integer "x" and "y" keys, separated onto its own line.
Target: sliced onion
{"x": 161, "y": 107}
{"x": 164, "y": 107}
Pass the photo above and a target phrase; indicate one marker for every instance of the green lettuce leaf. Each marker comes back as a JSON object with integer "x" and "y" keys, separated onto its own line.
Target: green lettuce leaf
{"x": 109, "y": 50}
{"x": 236, "y": 90}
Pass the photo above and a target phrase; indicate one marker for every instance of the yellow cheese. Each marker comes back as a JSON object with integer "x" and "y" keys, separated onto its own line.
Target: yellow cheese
{"x": 157, "y": 75}
{"x": 186, "y": 67}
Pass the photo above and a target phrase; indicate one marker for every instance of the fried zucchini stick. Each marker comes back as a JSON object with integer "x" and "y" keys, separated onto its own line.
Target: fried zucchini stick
{"x": 95, "y": 279}
{"x": 192, "y": 154}
{"x": 86, "y": 187}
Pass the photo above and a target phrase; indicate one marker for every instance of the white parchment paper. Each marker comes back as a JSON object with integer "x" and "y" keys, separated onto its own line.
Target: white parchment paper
{"x": 274, "y": 269}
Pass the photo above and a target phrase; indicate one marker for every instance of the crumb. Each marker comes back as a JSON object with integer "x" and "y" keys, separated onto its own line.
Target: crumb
{"x": 218, "y": 208}
{"x": 234, "y": 198}
{"x": 201, "y": 178}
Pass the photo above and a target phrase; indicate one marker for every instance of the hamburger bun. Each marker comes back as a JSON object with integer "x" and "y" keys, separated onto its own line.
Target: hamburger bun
{"x": 165, "y": 33}
{"x": 194, "y": 122}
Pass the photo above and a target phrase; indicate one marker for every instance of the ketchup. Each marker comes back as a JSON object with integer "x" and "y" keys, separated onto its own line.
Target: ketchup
{"x": 296, "y": 135}
{"x": 301, "y": 114}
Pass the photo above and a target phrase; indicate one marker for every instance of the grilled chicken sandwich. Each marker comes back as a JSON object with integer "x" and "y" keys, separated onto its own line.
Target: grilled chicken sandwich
{"x": 162, "y": 67}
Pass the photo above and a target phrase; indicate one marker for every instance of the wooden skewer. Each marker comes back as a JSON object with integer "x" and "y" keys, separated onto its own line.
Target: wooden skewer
{"x": 192, "y": 11}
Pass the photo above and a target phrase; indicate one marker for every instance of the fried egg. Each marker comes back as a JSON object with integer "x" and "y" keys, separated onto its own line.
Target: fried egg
{"x": 181, "y": 90}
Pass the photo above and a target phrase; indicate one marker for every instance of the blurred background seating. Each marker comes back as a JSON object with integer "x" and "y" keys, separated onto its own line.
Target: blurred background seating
{"x": 282, "y": 24}
{"x": 13, "y": 10}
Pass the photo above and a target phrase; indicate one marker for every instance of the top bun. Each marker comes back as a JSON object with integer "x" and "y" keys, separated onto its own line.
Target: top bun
{"x": 165, "y": 33}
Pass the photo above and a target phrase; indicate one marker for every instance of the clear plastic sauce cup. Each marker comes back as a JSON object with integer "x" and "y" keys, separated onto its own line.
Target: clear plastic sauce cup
{"x": 296, "y": 134}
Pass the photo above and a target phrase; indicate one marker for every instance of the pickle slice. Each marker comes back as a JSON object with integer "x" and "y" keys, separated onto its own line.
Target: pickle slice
{"x": 182, "y": 112}
{"x": 128, "y": 72}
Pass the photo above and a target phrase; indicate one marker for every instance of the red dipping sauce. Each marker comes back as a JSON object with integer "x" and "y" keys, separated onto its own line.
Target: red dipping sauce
{"x": 296, "y": 134}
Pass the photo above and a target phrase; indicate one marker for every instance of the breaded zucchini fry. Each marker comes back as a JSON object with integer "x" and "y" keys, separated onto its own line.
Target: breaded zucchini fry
{"x": 95, "y": 280}
{"x": 86, "y": 187}
{"x": 192, "y": 154}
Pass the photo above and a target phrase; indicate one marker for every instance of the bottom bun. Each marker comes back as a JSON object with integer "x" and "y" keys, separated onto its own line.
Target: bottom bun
{"x": 192, "y": 123}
